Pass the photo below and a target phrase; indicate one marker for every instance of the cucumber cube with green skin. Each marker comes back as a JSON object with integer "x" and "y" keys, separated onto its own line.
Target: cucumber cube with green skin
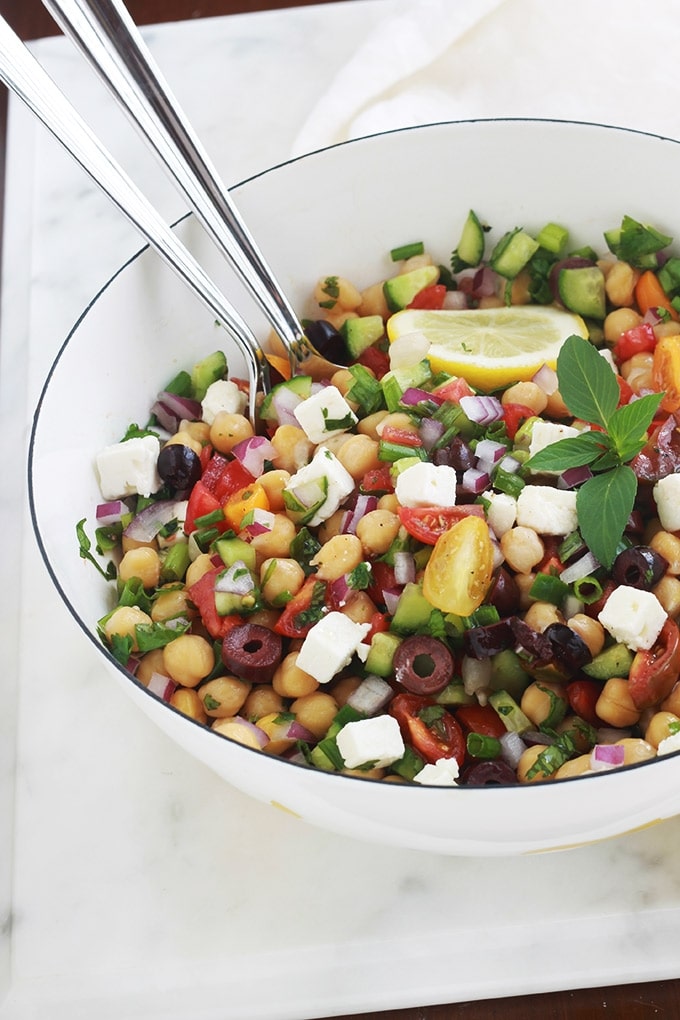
{"x": 206, "y": 372}
{"x": 381, "y": 653}
{"x": 361, "y": 333}
{"x": 582, "y": 290}
{"x": 400, "y": 290}
{"x": 413, "y": 610}
{"x": 232, "y": 549}
{"x": 512, "y": 253}
{"x": 300, "y": 385}
{"x": 470, "y": 248}
{"x": 613, "y": 661}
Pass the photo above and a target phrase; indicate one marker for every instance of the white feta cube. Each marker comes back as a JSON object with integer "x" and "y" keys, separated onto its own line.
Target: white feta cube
{"x": 545, "y": 433}
{"x": 633, "y": 617}
{"x": 330, "y": 645}
{"x": 129, "y": 468}
{"x": 547, "y": 510}
{"x": 323, "y": 478}
{"x": 426, "y": 485}
{"x": 669, "y": 744}
{"x": 502, "y": 512}
{"x": 444, "y": 772}
{"x": 222, "y": 395}
{"x": 326, "y": 413}
{"x": 666, "y": 494}
{"x": 377, "y": 741}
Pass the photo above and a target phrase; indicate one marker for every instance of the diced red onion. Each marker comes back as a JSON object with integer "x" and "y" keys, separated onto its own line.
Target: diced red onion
{"x": 236, "y": 580}
{"x": 371, "y": 696}
{"x": 491, "y": 451}
{"x": 651, "y": 317}
{"x": 484, "y": 282}
{"x": 482, "y": 409}
{"x": 430, "y": 432}
{"x": 253, "y": 452}
{"x": 364, "y": 505}
{"x": 510, "y": 464}
{"x": 149, "y": 521}
{"x": 404, "y": 568}
{"x": 171, "y": 410}
{"x": 262, "y": 522}
{"x": 413, "y": 396}
{"x": 512, "y": 748}
{"x": 455, "y": 301}
{"x": 296, "y": 731}
{"x": 110, "y": 513}
{"x": 339, "y": 590}
{"x": 606, "y": 756}
{"x": 284, "y": 401}
{"x": 162, "y": 686}
{"x": 391, "y": 598}
{"x": 546, "y": 379}
{"x": 475, "y": 481}
{"x": 574, "y": 476}
{"x": 583, "y": 567}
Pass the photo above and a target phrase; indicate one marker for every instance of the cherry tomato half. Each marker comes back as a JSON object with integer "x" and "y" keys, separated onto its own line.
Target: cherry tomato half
{"x": 428, "y": 728}
{"x": 654, "y": 673}
{"x": 482, "y": 719}
{"x": 459, "y": 571}
{"x": 428, "y": 523}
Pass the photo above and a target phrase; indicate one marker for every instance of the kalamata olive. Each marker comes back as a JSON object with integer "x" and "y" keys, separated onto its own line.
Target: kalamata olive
{"x": 534, "y": 643}
{"x": 483, "y": 642}
{"x": 570, "y": 650}
{"x": 503, "y": 593}
{"x": 489, "y": 773}
{"x": 179, "y": 466}
{"x": 457, "y": 455}
{"x": 327, "y": 340}
{"x": 639, "y": 567}
{"x": 422, "y": 664}
{"x": 252, "y": 652}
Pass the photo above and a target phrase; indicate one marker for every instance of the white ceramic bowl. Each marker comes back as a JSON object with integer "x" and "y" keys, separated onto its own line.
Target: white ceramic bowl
{"x": 339, "y": 211}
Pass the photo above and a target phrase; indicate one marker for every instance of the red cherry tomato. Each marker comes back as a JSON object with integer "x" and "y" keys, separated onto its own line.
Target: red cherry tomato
{"x": 428, "y": 523}
{"x": 402, "y": 437}
{"x": 429, "y": 297}
{"x": 296, "y": 621}
{"x": 378, "y": 361}
{"x": 638, "y": 339}
{"x": 482, "y": 719}
{"x": 377, "y": 481}
{"x": 655, "y": 672}
{"x": 453, "y": 390}
{"x": 428, "y": 728}
{"x": 582, "y": 696}
{"x": 514, "y": 415}
{"x": 202, "y": 594}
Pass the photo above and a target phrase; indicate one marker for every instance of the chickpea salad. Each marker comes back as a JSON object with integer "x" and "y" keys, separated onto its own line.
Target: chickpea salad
{"x": 455, "y": 561}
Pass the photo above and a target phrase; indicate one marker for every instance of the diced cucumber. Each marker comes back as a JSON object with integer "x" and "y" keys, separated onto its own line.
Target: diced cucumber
{"x": 362, "y": 333}
{"x": 206, "y": 372}
{"x": 552, "y": 237}
{"x": 512, "y": 715}
{"x": 232, "y": 549}
{"x": 413, "y": 610}
{"x": 613, "y": 661}
{"x": 582, "y": 291}
{"x": 395, "y": 382}
{"x": 400, "y": 290}
{"x": 229, "y": 604}
{"x": 381, "y": 653}
{"x": 301, "y": 385}
{"x": 512, "y": 253}
{"x": 470, "y": 250}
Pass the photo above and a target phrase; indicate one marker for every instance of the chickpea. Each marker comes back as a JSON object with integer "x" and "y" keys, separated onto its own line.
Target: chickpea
{"x": 229, "y": 429}
{"x": 635, "y": 750}
{"x": 224, "y": 696}
{"x": 150, "y": 663}
{"x": 293, "y": 448}
{"x": 668, "y": 545}
{"x": 389, "y": 502}
{"x": 273, "y": 483}
{"x": 665, "y": 329}
{"x": 615, "y": 705}
{"x": 668, "y": 593}
{"x": 262, "y": 700}
{"x": 333, "y": 293}
{"x": 368, "y": 426}
{"x": 574, "y": 767}
{"x": 589, "y": 630}
{"x": 171, "y": 603}
{"x": 360, "y": 608}
{"x": 143, "y": 563}
{"x": 519, "y": 289}
{"x": 359, "y": 455}
{"x": 397, "y": 420}
{"x": 620, "y": 284}
{"x": 522, "y": 548}
{"x": 415, "y": 262}
{"x": 279, "y": 577}
{"x": 122, "y": 623}
{"x": 491, "y": 301}
{"x": 339, "y": 318}
{"x": 315, "y": 711}
{"x": 188, "y": 703}
{"x": 524, "y": 583}
{"x": 336, "y": 442}
{"x": 672, "y": 702}
{"x": 188, "y": 659}
{"x": 201, "y": 565}
{"x": 527, "y": 762}
{"x": 292, "y": 682}
{"x": 660, "y": 727}
{"x": 184, "y": 438}
{"x": 544, "y": 701}
{"x": 373, "y": 301}
{"x": 618, "y": 321}
{"x": 540, "y": 615}
{"x": 338, "y": 556}
{"x": 331, "y": 526}
{"x": 343, "y": 380}
{"x": 132, "y": 543}
{"x": 638, "y": 371}
{"x": 377, "y": 531}
{"x": 276, "y": 542}
{"x": 344, "y": 688}
{"x": 556, "y": 407}
{"x": 235, "y": 730}
{"x": 527, "y": 393}
{"x": 198, "y": 430}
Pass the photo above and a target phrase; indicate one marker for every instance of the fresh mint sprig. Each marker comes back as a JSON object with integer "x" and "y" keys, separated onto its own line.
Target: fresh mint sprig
{"x": 590, "y": 391}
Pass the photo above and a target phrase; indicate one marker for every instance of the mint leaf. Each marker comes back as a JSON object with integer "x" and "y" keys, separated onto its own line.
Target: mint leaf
{"x": 604, "y": 504}
{"x": 575, "y": 451}
{"x": 629, "y": 424}
{"x": 587, "y": 383}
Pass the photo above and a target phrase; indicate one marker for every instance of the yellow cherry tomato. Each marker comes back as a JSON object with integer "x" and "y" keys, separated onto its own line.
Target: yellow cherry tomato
{"x": 240, "y": 503}
{"x": 458, "y": 573}
{"x": 666, "y": 372}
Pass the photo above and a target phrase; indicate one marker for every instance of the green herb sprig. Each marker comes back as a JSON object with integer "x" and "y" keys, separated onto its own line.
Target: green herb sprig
{"x": 590, "y": 391}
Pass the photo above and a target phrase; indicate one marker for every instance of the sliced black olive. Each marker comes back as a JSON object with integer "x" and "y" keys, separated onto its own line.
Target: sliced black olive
{"x": 179, "y": 466}
{"x": 483, "y": 642}
{"x": 536, "y": 645}
{"x": 503, "y": 593}
{"x": 570, "y": 650}
{"x": 639, "y": 567}
{"x": 327, "y": 340}
{"x": 489, "y": 773}
{"x": 423, "y": 665}
{"x": 252, "y": 652}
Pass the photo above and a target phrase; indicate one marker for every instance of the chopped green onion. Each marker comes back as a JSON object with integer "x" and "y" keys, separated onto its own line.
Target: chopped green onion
{"x": 549, "y": 588}
{"x": 507, "y": 482}
{"x": 481, "y": 746}
{"x": 214, "y": 517}
{"x": 588, "y": 589}
{"x": 395, "y": 451}
{"x": 553, "y": 237}
{"x": 407, "y": 251}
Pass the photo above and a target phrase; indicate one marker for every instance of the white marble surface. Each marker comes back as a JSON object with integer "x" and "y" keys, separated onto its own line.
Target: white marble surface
{"x": 133, "y": 883}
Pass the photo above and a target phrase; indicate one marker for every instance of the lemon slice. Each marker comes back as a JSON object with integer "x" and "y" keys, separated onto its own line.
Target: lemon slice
{"x": 490, "y": 347}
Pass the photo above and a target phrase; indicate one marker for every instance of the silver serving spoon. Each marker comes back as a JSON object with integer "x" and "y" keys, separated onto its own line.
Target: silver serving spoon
{"x": 109, "y": 38}
{"x": 22, "y": 73}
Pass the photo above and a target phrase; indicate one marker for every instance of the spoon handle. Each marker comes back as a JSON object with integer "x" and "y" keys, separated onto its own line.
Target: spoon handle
{"x": 109, "y": 38}
{"x": 22, "y": 73}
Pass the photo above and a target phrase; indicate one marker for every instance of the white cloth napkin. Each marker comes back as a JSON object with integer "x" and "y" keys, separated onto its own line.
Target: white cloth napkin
{"x": 606, "y": 61}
